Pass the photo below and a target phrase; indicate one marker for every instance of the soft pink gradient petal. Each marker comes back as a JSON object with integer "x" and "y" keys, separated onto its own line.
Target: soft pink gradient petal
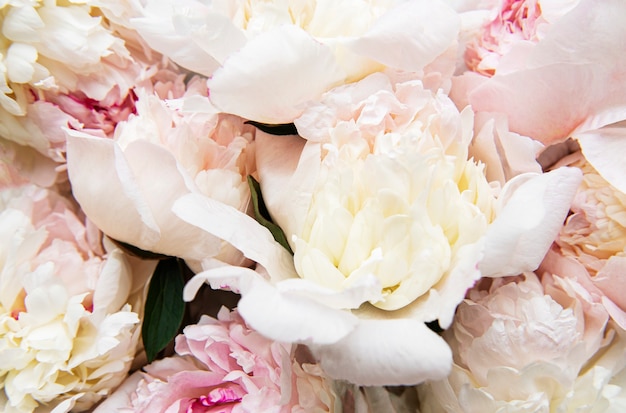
{"x": 528, "y": 223}
{"x": 273, "y": 75}
{"x": 387, "y": 352}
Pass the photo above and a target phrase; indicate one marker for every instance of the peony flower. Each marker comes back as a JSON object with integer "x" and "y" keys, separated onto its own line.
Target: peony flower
{"x": 277, "y": 56}
{"x": 579, "y": 59}
{"x": 517, "y": 26}
{"x": 390, "y": 222}
{"x": 169, "y": 148}
{"x": 51, "y": 49}
{"x": 222, "y": 365}
{"x": 68, "y": 309}
{"x": 591, "y": 246}
{"x": 525, "y": 345}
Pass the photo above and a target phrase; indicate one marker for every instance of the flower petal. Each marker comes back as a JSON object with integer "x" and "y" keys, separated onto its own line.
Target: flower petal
{"x": 524, "y": 229}
{"x": 288, "y": 169}
{"x": 237, "y": 228}
{"x": 421, "y": 30}
{"x": 99, "y": 171}
{"x": 387, "y": 352}
{"x": 604, "y": 149}
{"x": 276, "y": 72}
{"x": 287, "y": 317}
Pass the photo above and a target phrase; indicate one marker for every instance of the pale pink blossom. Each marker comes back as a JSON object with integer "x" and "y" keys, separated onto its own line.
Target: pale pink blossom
{"x": 568, "y": 84}
{"x": 170, "y": 147}
{"x": 591, "y": 246}
{"x": 527, "y": 345}
{"x": 69, "y": 308}
{"x": 516, "y": 27}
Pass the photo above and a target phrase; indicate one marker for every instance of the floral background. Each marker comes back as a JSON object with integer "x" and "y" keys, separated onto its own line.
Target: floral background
{"x": 312, "y": 206}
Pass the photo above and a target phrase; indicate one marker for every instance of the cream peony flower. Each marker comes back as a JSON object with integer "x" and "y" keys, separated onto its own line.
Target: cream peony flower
{"x": 390, "y": 223}
{"x": 68, "y": 311}
{"x": 266, "y": 59}
{"x": 525, "y": 345}
{"x": 167, "y": 149}
{"x": 48, "y": 49}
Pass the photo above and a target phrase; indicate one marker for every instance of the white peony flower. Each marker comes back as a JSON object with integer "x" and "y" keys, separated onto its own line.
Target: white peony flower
{"x": 68, "y": 312}
{"x": 390, "y": 223}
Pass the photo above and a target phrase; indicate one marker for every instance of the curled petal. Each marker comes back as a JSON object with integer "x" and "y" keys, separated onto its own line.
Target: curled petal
{"x": 237, "y": 228}
{"x": 533, "y": 213}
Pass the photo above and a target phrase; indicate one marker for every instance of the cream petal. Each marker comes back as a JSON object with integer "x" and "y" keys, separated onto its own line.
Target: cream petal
{"x": 287, "y": 317}
{"x": 411, "y": 35}
{"x": 387, "y": 352}
{"x": 533, "y": 213}
{"x": 99, "y": 171}
{"x": 273, "y": 75}
{"x": 604, "y": 149}
{"x": 122, "y": 396}
{"x": 114, "y": 284}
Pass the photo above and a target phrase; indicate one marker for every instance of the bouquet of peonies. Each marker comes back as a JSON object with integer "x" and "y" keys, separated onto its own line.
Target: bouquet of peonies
{"x": 312, "y": 206}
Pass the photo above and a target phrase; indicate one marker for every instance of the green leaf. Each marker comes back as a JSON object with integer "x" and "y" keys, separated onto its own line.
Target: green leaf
{"x": 164, "y": 306}
{"x": 278, "y": 129}
{"x": 262, "y": 215}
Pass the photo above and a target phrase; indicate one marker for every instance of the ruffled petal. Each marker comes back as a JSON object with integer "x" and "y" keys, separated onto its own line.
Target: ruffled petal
{"x": 387, "y": 352}
{"x": 533, "y": 213}
{"x": 273, "y": 75}
{"x": 237, "y": 228}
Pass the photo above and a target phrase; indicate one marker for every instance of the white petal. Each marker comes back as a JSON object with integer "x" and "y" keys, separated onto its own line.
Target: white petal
{"x": 276, "y": 72}
{"x": 121, "y": 398}
{"x": 411, "y": 35}
{"x": 387, "y": 352}
{"x": 533, "y": 214}
{"x": 293, "y": 318}
{"x": 99, "y": 172}
{"x": 237, "y": 228}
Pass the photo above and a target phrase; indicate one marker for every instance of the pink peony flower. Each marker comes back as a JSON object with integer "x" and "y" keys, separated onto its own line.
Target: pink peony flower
{"x": 69, "y": 309}
{"x": 591, "y": 246}
{"x": 168, "y": 148}
{"x": 222, "y": 365}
